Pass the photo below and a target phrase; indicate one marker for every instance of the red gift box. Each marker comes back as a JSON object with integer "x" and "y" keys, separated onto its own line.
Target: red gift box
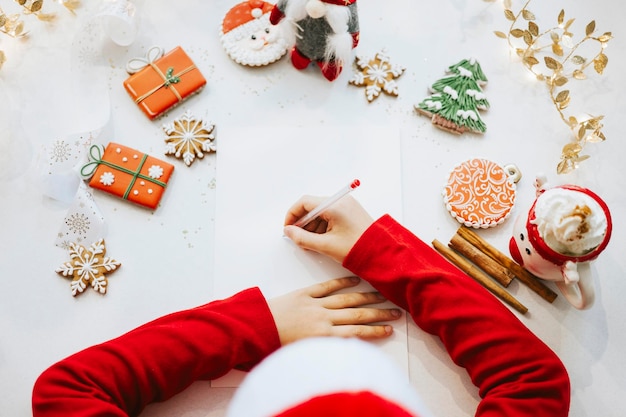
{"x": 127, "y": 173}
{"x": 161, "y": 82}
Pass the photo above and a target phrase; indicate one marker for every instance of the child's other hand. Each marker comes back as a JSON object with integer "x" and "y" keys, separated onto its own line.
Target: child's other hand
{"x": 319, "y": 311}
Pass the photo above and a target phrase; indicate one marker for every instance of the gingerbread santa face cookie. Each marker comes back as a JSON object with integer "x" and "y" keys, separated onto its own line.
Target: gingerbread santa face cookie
{"x": 248, "y": 36}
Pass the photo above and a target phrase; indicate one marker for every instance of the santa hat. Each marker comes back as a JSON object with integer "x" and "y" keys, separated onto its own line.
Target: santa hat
{"x": 328, "y": 377}
{"x": 244, "y": 13}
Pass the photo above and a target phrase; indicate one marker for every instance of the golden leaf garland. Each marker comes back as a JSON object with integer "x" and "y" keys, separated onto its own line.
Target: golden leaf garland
{"x": 531, "y": 43}
{"x": 12, "y": 24}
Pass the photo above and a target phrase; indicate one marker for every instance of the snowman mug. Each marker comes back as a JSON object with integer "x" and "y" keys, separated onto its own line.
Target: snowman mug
{"x": 568, "y": 269}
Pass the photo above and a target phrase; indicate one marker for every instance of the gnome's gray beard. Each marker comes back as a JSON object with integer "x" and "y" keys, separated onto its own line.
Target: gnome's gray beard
{"x": 338, "y": 44}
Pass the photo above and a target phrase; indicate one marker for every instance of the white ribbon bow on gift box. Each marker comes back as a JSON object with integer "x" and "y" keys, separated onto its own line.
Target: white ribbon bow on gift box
{"x": 135, "y": 65}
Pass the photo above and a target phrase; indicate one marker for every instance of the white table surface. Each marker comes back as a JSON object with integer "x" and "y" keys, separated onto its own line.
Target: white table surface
{"x": 167, "y": 254}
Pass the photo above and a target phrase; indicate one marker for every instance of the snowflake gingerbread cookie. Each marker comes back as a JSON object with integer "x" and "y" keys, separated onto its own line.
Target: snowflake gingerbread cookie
{"x": 88, "y": 266}
{"x": 377, "y": 75}
{"x": 189, "y": 136}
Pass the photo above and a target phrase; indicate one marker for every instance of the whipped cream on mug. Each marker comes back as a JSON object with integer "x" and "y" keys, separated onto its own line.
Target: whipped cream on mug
{"x": 570, "y": 222}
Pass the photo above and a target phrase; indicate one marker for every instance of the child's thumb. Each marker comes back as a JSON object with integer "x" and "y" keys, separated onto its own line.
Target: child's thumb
{"x": 303, "y": 238}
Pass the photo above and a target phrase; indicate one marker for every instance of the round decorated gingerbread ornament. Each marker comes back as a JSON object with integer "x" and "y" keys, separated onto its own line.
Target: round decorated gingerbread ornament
{"x": 480, "y": 193}
{"x": 248, "y": 36}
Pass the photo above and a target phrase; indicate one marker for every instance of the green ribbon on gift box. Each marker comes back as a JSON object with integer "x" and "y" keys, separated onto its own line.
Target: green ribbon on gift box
{"x": 95, "y": 159}
{"x": 169, "y": 79}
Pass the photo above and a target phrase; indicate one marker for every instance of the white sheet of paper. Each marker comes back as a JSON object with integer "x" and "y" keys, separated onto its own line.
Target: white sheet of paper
{"x": 262, "y": 173}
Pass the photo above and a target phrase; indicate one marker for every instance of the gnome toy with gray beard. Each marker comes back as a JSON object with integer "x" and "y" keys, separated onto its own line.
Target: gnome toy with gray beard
{"x": 323, "y": 31}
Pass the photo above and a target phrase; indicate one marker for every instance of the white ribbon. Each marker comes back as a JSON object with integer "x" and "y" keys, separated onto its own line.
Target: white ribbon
{"x": 137, "y": 64}
{"x": 119, "y": 22}
{"x": 106, "y": 21}
{"x": 59, "y": 165}
{"x": 60, "y": 161}
{"x": 83, "y": 222}
{"x": 15, "y": 147}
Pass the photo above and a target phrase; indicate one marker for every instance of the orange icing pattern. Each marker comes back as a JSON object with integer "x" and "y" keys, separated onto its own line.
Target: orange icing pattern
{"x": 479, "y": 193}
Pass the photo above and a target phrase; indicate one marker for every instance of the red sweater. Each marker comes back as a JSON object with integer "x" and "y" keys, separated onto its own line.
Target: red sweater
{"x": 516, "y": 373}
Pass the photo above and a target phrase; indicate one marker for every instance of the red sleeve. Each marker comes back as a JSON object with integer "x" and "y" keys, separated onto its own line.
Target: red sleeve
{"x": 159, "y": 359}
{"x": 516, "y": 373}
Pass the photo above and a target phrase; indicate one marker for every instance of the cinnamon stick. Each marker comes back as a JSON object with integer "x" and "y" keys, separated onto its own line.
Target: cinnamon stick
{"x": 523, "y": 275}
{"x": 471, "y": 270}
{"x": 482, "y": 260}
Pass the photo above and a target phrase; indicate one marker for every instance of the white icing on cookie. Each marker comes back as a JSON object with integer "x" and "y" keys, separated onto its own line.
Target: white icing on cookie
{"x": 107, "y": 178}
{"x": 255, "y": 43}
{"x": 189, "y": 136}
{"x": 155, "y": 171}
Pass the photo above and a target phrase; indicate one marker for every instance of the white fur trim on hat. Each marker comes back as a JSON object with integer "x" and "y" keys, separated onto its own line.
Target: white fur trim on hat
{"x": 310, "y": 368}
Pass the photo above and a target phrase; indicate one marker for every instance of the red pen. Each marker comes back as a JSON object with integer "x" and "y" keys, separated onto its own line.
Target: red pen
{"x": 311, "y": 215}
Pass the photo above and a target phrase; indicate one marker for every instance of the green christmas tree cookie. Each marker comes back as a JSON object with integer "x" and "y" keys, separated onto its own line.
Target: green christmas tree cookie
{"x": 456, "y": 99}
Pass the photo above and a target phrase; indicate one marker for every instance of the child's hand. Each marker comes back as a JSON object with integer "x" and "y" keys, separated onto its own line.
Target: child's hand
{"x": 318, "y": 311}
{"x": 334, "y": 232}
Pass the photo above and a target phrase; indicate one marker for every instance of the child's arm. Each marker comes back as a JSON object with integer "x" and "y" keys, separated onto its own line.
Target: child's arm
{"x": 159, "y": 359}
{"x": 516, "y": 373}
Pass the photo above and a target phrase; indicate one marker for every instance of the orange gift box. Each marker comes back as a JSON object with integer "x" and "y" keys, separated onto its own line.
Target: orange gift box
{"x": 164, "y": 82}
{"x": 127, "y": 173}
